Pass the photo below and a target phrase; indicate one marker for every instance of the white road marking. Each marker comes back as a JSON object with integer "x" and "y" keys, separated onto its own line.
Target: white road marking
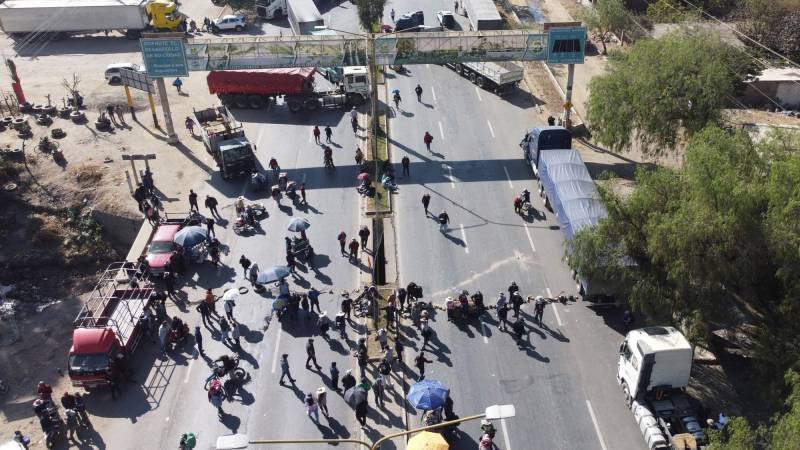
{"x": 596, "y": 426}
{"x": 483, "y": 332}
{"x": 549, "y": 294}
{"x": 433, "y": 94}
{"x": 510, "y": 184}
{"x": 310, "y": 137}
{"x": 275, "y": 353}
{"x": 478, "y": 91}
{"x": 495, "y": 266}
{"x": 530, "y": 240}
{"x": 188, "y": 371}
{"x": 452, "y": 178}
{"x": 304, "y": 178}
{"x": 427, "y": 66}
{"x": 505, "y": 434}
{"x": 464, "y": 238}
{"x": 491, "y": 130}
{"x": 558, "y": 318}
{"x": 441, "y": 131}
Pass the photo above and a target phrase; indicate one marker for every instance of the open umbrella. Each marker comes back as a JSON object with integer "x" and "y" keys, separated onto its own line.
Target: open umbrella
{"x": 299, "y": 224}
{"x": 427, "y": 395}
{"x": 427, "y": 441}
{"x": 190, "y": 236}
{"x": 355, "y": 395}
{"x": 363, "y": 176}
{"x": 230, "y": 294}
{"x": 272, "y": 274}
{"x": 279, "y": 303}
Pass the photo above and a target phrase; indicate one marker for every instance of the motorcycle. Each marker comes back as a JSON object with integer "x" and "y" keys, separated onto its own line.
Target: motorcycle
{"x": 234, "y": 373}
{"x": 177, "y": 336}
{"x": 49, "y": 420}
{"x": 241, "y": 225}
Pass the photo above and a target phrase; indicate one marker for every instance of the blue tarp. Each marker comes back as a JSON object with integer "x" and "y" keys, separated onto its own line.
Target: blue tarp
{"x": 571, "y": 191}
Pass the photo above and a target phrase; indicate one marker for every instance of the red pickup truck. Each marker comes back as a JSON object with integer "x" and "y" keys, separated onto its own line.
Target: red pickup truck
{"x": 109, "y": 323}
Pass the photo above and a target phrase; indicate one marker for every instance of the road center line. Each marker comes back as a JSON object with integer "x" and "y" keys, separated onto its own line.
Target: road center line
{"x": 275, "y": 353}
{"x": 510, "y": 184}
{"x": 483, "y": 332}
{"x": 433, "y": 94}
{"x": 558, "y": 318}
{"x": 530, "y": 240}
{"x": 596, "y": 426}
{"x": 505, "y": 434}
{"x": 441, "y": 130}
{"x": 188, "y": 371}
{"x": 464, "y": 238}
{"x": 478, "y": 91}
{"x": 549, "y": 294}
{"x": 452, "y": 178}
{"x": 491, "y": 130}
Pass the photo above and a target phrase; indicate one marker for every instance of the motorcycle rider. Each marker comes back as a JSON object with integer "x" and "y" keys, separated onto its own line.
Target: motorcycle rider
{"x": 526, "y": 196}
{"x": 517, "y": 204}
{"x": 228, "y": 364}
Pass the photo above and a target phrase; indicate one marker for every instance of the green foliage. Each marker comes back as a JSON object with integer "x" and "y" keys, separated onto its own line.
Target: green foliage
{"x": 737, "y": 435}
{"x": 370, "y": 13}
{"x": 774, "y": 24}
{"x": 671, "y": 11}
{"x": 605, "y": 18}
{"x": 663, "y": 88}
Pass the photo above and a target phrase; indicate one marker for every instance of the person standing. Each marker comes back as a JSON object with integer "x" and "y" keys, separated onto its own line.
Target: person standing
{"x": 378, "y": 388}
{"x": 347, "y": 304}
{"x": 211, "y": 301}
{"x": 322, "y": 401}
{"x": 342, "y": 242}
{"x": 313, "y": 297}
{"x": 312, "y": 354}
{"x": 516, "y": 303}
{"x": 210, "y": 227}
{"x": 334, "y": 371}
{"x": 406, "y": 165}
{"x": 80, "y": 408}
{"x": 316, "y": 134}
{"x": 224, "y": 329}
{"x": 303, "y": 193}
{"x": 427, "y": 139}
{"x": 140, "y": 194}
{"x": 312, "y": 408}
{"x": 178, "y": 83}
{"x": 420, "y": 362}
{"x": 385, "y": 369}
{"x": 363, "y": 233}
{"x": 444, "y": 219}
{"x": 245, "y": 264}
{"x": 502, "y": 314}
{"x": 361, "y": 413}
{"x": 418, "y": 90}
{"x": 426, "y": 201}
{"x": 285, "y": 369}
{"x": 539, "y": 310}
{"x": 348, "y": 380}
{"x": 328, "y": 134}
{"x": 353, "y": 249}
{"x": 228, "y": 305}
{"x": 291, "y": 263}
{"x": 198, "y": 339}
{"x": 163, "y": 330}
{"x": 72, "y": 422}
{"x": 391, "y": 14}
{"x": 110, "y": 113}
{"x": 120, "y": 113}
{"x": 354, "y": 120}
{"x": 362, "y": 362}
{"x": 211, "y": 203}
{"x": 193, "y": 201}
{"x": 189, "y": 124}
{"x": 236, "y": 333}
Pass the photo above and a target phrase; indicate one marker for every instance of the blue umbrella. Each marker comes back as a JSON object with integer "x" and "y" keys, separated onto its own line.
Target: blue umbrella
{"x": 272, "y": 274}
{"x": 427, "y": 395}
{"x": 190, "y": 236}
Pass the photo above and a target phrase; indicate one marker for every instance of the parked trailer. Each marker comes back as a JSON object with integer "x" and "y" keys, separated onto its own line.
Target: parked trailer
{"x": 304, "y": 16}
{"x": 498, "y": 76}
{"x": 243, "y": 89}
{"x": 64, "y": 17}
{"x": 483, "y": 15}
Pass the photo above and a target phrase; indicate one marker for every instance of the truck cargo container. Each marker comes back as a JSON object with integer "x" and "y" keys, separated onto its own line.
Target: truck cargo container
{"x": 499, "y": 76}
{"x": 67, "y": 17}
{"x": 255, "y": 89}
{"x": 224, "y": 139}
{"x": 483, "y": 15}
{"x": 304, "y": 16}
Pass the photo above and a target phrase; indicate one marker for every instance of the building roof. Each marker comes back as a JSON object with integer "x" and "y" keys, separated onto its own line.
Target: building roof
{"x": 779, "y": 74}
{"x": 661, "y": 29}
{"x": 659, "y": 339}
{"x": 70, "y": 3}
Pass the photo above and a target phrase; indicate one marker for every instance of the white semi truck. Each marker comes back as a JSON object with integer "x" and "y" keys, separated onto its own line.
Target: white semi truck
{"x": 498, "y": 76}
{"x": 653, "y": 370}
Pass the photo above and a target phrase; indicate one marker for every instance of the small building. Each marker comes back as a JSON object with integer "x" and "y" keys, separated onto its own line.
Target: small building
{"x": 780, "y": 85}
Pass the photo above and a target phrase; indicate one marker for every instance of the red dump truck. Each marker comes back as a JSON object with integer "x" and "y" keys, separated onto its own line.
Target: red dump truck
{"x": 108, "y": 323}
{"x": 255, "y": 89}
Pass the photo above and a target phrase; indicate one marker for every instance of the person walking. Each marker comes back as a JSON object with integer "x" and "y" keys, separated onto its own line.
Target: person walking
{"x": 361, "y": 413}
{"x": 189, "y": 124}
{"x": 328, "y": 134}
{"x": 236, "y": 334}
{"x": 391, "y": 14}
{"x": 80, "y": 408}
{"x": 353, "y": 249}
{"x": 303, "y": 193}
{"x": 502, "y": 316}
{"x": 210, "y": 227}
{"x": 427, "y": 139}
{"x": 516, "y": 303}
{"x": 198, "y": 339}
{"x": 342, "y": 242}
{"x": 420, "y": 362}
{"x": 362, "y": 359}
{"x": 291, "y": 263}
{"x": 288, "y": 241}
{"x": 193, "y": 201}
{"x": 397, "y": 100}
{"x": 354, "y": 120}
{"x": 406, "y": 165}
{"x": 313, "y": 297}
{"x": 385, "y": 368}
{"x": 538, "y": 310}
{"x": 211, "y": 203}
{"x": 285, "y": 369}
{"x": 304, "y": 305}
{"x": 163, "y": 331}
{"x": 444, "y": 220}
{"x": 348, "y": 380}
{"x": 363, "y": 233}
{"x": 178, "y": 83}
{"x": 347, "y": 304}
{"x": 378, "y": 388}
{"x": 312, "y": 354}
{"x": 316, "y": 134}
{"x": 426, "y": 201}
{"x": 418, "y": 90}
{"x": 334, "y": 372}
{"x": 322, "y": 400}
{"x": 312, "y": 409}
{"x": 72, "y": 422}
{"x": 110, "y": 113}
{"x": 224, "y": 329}
{"x": 245, "y": 264}
{"x": 228, "y": 305}
{"x": 211, "y": 301}
{"x": 426, "y": 331}
{"x": 120, "y": 114}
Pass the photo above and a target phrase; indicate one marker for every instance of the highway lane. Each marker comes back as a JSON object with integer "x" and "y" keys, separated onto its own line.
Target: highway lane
{"x": 564, "y": 383}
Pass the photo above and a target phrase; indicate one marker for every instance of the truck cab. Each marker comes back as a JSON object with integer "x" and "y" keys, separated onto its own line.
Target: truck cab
{"x": 164, "y": 15}
{"x": 544, "y": 138}
{"x": 270, "y": 9}
{"x": 225, "y": 140}
{"x": 356, "y": 81}
{"x": 236, "y": 158}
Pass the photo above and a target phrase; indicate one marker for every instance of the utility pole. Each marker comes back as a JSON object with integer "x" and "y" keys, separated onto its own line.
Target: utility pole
{"x": 568, "y": 95}
{"x": 373, "y": 84}
{"x": 172, "y": 138}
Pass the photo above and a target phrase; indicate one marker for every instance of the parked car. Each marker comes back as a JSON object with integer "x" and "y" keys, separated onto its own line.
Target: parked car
{"x": 409, "y": 20}
{"x": 230, "y": 22}
{"x": 112, "y": 71}
{"x": 161, "y": 247}
{"x": 446, "y": 20}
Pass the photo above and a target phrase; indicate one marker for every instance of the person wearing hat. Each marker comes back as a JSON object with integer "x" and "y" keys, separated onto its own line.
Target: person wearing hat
{"x": 312, "y": 409}
{"x": 488, "y": 428}
{"x": 348, "y": 380}
{"x": 341, "y": 324}
{"x": 322, "y": 401}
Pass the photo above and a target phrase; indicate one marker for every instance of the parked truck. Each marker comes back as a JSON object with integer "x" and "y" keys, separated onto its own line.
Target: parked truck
{"x": 224, "y": 139}
{"x": 255, "y": 89}
{"x": 67, "y": 17}
{"x": 304, "y": 16}
{"x": 653, "y": 370}
{"x": 109, "y": 324}
{"x": 569, "y": 191}
{"x": 499, "y": 76}
{"x": 483, "y": 15}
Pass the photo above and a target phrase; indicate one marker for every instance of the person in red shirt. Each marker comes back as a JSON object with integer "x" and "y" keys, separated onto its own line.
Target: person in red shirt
{"x": 342, "y": 242}
{"x": 45, "y": 391}
{"x": 353, "y": 249}
{"x": 427, "y": 139}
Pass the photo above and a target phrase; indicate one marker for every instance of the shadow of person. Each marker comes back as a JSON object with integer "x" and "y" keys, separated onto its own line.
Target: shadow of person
{"x": 230, "y": 421}
{"x": 337, "y": 428}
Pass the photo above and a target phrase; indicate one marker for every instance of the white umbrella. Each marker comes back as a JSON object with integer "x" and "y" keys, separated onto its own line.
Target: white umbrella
{"x": 230, "y": 294}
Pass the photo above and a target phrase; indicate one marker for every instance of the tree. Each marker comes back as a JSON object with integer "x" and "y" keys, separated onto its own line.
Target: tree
{"x": 370, "y": 13}
{"x": 670, "y": 11}
{"x": 664, "y": 88}
{"x": 606, "y": 18}
{"x": 774, "y": 24}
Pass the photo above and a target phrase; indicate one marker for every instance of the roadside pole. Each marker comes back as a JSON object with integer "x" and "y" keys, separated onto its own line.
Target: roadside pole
{"x": 153, "y": 110}
{"x": 130, "y": 102}
{"x": 373, "y": 85}
{"x": 172, "y": 138}
{"x": 568, "y": 95}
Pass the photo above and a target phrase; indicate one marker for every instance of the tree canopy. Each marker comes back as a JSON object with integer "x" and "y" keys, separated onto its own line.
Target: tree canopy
{"x": 370, "y": 13}
{"x": 663, "y": 88}
{"x": 774, "y": 24}
{"x": 605, "y": 18}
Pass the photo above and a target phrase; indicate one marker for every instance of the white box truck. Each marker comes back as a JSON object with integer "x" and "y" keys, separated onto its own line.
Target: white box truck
{"x": 304, "y": 17}
{"x": 483, "y": 15}
{"x": 653, "y": 369}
